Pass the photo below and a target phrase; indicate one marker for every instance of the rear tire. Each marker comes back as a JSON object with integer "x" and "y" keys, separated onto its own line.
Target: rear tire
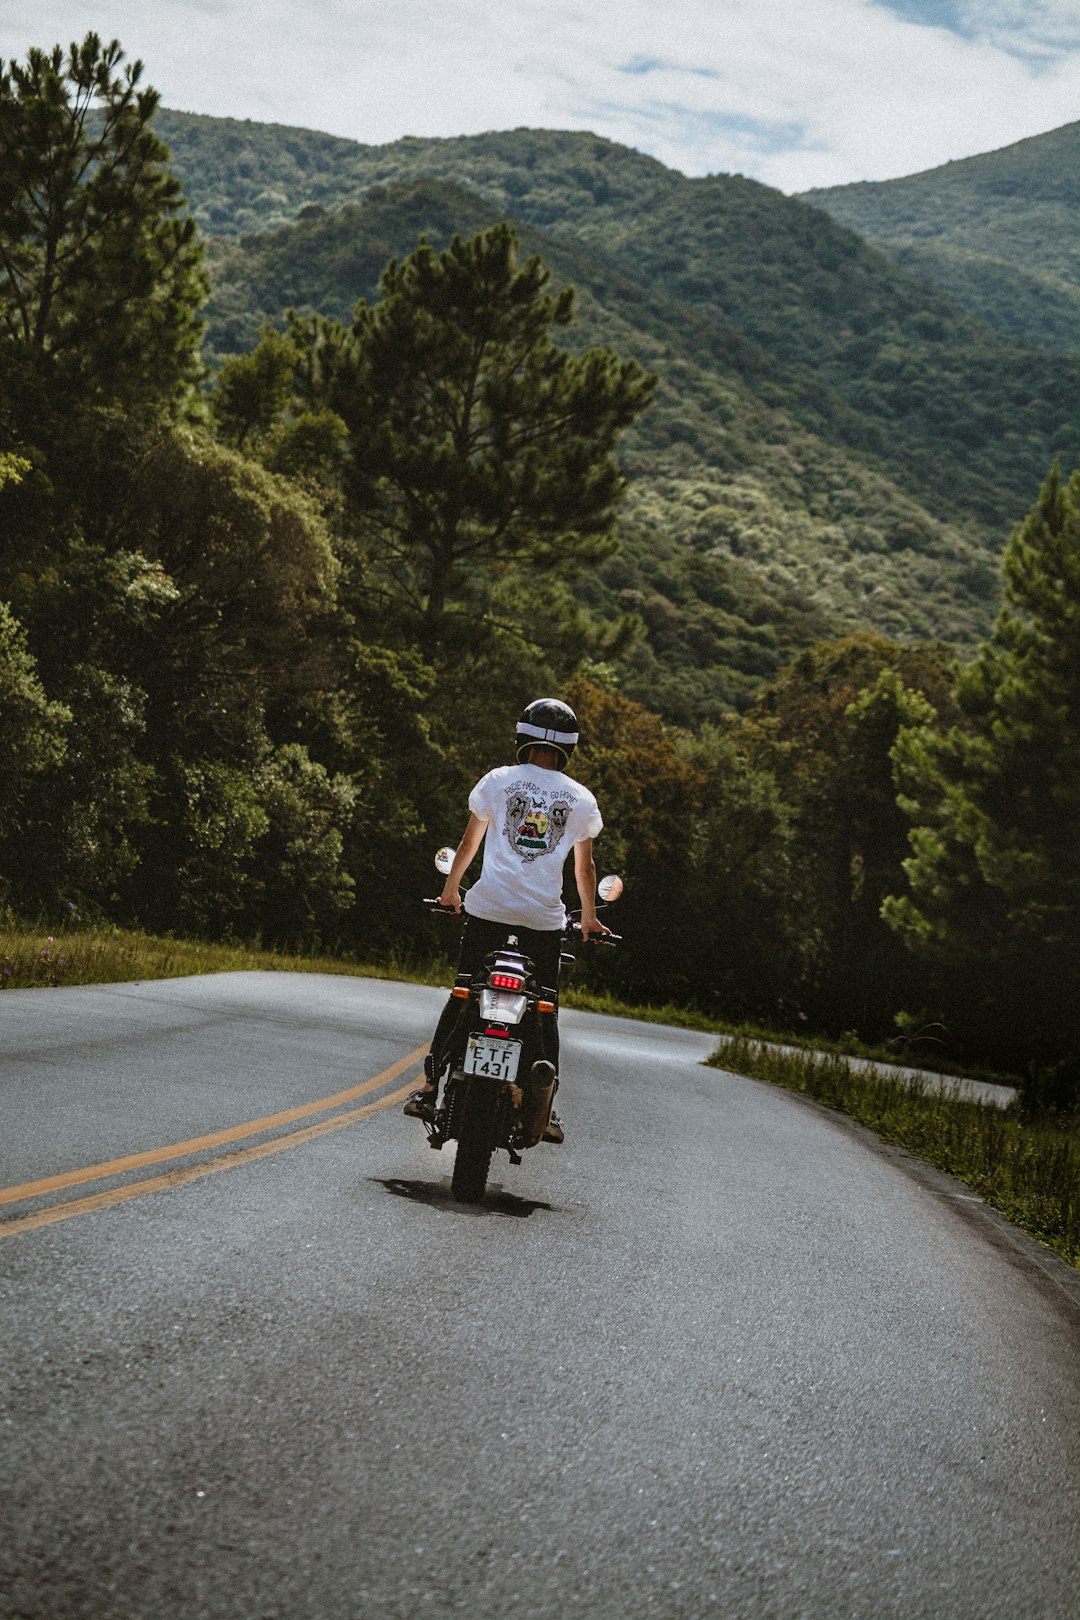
{"x": 469, "y": 1181}
{"x": 472, "y": 1122}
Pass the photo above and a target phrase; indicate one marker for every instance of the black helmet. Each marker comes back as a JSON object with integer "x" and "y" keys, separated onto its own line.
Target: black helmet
{"x": 549, "y": 724}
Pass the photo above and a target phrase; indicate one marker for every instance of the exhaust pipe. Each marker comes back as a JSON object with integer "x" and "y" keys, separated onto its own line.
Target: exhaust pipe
{"x": 539, "y": 1090}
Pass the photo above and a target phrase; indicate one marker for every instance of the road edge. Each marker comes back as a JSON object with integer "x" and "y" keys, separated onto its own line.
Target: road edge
{"x": 1055, "y": 1277}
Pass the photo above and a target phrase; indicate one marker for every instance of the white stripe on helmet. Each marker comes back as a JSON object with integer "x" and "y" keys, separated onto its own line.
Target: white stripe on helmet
{"x": 525, "y": 730}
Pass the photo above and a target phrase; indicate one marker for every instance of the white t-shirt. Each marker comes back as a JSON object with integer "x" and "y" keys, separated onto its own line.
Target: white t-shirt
{"x": 534, "y": 818}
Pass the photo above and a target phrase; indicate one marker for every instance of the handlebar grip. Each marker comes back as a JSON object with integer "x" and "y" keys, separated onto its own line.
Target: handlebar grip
{"x": 437, "y": 905}
{"x": 591, "y": 939}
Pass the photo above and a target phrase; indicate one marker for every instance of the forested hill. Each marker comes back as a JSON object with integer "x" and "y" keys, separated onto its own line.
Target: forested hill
{"x": 264, "y": 621}
{"x": 834, "y": 445}
{"x": 1000, "y": 232}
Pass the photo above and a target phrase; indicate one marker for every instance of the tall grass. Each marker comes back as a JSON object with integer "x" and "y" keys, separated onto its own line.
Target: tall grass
{"x": 33, "y": 958}
{"x": 1029, "y": 1169}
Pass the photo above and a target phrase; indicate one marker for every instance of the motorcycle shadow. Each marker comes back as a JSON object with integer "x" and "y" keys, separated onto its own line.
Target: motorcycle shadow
{"x": 437, "y": 1195}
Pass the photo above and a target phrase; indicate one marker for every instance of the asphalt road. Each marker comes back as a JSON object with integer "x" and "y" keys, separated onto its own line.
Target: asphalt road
{"x": 717, "y": 1355}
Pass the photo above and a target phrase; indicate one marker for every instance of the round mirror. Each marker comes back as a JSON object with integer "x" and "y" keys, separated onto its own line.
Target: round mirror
{"x": 444, "y": 860}
{"x": 609, "y": 888}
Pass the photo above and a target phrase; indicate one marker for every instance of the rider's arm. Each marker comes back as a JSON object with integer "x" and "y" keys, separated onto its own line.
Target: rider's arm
{"x": 585, "y": 878}
{"x": 471, "y": 840}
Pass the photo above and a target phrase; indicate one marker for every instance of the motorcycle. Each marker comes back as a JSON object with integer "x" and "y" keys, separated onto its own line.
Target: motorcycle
{"x": 501, "y": 1081}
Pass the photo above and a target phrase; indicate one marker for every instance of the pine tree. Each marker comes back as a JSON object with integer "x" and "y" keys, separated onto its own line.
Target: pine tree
{"x": 252, "y": 390}
{"x": 477, "y": 443}
{"x": 101, "y": 272}
{"x": 824, "y": 729}
{"x": 995, "y": 873}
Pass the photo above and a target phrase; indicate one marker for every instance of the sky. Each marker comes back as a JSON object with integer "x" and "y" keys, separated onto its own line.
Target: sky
{"x": 795, "y": 93}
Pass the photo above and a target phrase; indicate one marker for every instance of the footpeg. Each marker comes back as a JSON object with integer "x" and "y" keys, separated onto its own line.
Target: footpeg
{"x": 421, "y": 1105}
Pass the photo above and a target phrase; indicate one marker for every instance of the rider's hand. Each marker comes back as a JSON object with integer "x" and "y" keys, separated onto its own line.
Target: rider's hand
{"x": 451, "y": 897}
{"x": 592, "y": 928}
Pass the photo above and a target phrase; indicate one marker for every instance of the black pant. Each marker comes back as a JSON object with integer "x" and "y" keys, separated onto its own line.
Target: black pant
{"x": 479, "y": 938}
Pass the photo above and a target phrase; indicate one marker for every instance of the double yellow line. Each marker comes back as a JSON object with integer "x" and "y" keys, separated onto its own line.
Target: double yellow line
{"x": 201, "y": 1144}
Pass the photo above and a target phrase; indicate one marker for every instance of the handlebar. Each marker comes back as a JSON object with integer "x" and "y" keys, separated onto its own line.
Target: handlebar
{"x": 573, "y": 931}
{"x": 573, "y": 925}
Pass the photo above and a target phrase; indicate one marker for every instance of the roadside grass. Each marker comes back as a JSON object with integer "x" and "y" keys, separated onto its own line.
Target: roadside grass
{"x": 31, "y": 958}
{"x": 601, "y": 1001}
{"x": 902, "y": 1053}
{"x": 1029, "y": 1169}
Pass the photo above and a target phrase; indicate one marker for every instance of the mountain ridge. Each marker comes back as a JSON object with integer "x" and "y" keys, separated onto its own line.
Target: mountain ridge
{"x": 998, "y": 231}
{"x": 834, "y": 445}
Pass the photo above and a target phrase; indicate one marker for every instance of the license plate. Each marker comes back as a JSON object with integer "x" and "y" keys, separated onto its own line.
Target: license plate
{"x": 486, "y": 1054}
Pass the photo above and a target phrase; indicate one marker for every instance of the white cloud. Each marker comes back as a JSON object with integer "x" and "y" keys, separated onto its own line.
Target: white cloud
{"x": 1028, "y": 27}
{"x": 794, "y": 92}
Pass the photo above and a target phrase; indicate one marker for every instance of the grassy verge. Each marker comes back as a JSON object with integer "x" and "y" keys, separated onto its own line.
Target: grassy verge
{"x": 1027, "y": 1169}
{"x": 899, "y": 1054}
{"x": 31, "y": 958}
{"x": 601, "y": 1001}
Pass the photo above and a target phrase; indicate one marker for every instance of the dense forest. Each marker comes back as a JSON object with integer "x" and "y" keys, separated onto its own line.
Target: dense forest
{"x": 998, "y": 232}
{"x": 294, "y": 519}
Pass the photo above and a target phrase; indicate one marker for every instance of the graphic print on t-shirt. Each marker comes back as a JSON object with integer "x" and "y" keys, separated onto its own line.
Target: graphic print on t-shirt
{"x": 533, "y": 826}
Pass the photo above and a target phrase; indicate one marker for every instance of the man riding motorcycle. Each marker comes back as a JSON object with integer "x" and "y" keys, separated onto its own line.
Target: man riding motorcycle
{"x": 528, "y": 817}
